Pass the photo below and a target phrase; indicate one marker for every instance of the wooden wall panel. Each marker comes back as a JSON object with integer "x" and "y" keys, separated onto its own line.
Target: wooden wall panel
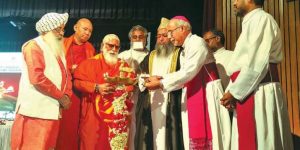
{"x": 287, "y": 16}
{"x": 286, "y": 49}
{"x": 297, "y": 62}
{"x": 293, "y": 63}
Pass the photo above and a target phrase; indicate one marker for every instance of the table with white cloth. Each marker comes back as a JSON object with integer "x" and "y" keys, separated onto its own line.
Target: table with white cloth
{"x": 5, "y": 131}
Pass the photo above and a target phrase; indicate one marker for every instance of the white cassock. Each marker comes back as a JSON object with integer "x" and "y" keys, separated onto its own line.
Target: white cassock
{"x": 192, "y": 58}
{"x": 223, "y": 57}
{"x": 133, "y": 58}
{"x": 259, "y": 44}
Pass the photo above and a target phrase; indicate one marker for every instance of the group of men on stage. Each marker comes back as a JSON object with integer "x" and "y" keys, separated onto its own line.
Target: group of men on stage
{"x": 177, "y": 96}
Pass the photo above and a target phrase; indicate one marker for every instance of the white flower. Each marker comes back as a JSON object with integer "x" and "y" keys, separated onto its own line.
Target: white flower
{"x": 119, "y": 105}
{"x": 119, "y": 141}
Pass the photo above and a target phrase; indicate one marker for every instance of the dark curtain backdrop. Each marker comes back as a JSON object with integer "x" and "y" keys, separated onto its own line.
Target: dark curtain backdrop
{"x": 108, "y": 16}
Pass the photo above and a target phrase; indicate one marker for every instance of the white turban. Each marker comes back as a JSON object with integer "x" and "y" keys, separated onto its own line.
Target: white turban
{"x": 51, "y": 21}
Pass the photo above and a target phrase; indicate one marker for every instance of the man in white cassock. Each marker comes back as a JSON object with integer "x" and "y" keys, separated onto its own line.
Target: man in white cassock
{"x": 261, "y": 118}
{"x": 134, "y": 56}
{"x": 205, "y": 123}
{"x": 158, "y": 113}
{"x": 215, "y": 41}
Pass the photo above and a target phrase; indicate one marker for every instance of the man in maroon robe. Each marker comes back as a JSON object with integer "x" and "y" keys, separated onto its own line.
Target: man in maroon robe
{"x": 77, "y": 49}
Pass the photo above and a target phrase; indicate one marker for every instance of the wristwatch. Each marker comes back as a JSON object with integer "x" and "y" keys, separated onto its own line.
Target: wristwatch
{"x": 97, "y": 88}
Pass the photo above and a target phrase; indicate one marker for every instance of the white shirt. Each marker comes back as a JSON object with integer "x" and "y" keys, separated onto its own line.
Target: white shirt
{"x": 133, "y": 57}
{"x": 258, "y": 45}
{"x": 223, "y": 57}
{"x": 192, "y": 59}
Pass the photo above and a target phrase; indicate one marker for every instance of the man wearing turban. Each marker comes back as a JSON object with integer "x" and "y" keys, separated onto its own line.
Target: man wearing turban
{"x": 45, "y": 87}
{"x": 155, "y": 108}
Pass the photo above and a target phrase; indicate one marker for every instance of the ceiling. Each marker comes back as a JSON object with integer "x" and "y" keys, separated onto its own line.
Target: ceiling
{"x": 108, "y": 16}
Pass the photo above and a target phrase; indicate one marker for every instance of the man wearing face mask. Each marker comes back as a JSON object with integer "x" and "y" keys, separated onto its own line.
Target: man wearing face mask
{"x": 134, "y": 56}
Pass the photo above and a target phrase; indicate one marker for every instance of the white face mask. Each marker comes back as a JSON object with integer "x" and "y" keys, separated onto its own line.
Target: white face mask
{"x": 137, "y": 45}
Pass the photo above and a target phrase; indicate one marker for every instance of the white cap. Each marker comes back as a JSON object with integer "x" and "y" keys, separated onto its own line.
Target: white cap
{"x": 163, "y": 23}
{"x": 51, "y": 21}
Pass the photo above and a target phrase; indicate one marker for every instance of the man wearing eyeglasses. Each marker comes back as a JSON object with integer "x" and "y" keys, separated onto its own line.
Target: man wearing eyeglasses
{"x": 158, "y": 117}
{"x": 134, "y": 56}
{"x": 215, "y": 40}
{"x": 205, "y": 122}
{"x": 107, "y": 98}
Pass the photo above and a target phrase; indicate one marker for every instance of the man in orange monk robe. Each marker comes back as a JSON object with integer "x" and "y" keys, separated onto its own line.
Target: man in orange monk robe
{"x": 105, "y": 81}
{"x": 75, "y": 127}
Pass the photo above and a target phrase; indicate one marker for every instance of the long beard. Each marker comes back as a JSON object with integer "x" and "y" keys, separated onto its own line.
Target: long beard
{"x": 164, "y": 50}
{"x": 55, "y": 44}
{"x": 110, "y": 58}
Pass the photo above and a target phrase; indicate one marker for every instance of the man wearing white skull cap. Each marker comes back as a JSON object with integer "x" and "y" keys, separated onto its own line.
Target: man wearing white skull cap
{"x": 158, "y": 119}
{"x": 45, "y": 87}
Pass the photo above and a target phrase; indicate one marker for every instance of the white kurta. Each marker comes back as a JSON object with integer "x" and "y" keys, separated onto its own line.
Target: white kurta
{"x": 259, "y": 44}
{"x": 192, "y": 59}
{"x": 133, "y": 58}
{"x": 159, "y": 101}
{"x": 223, "y": 57}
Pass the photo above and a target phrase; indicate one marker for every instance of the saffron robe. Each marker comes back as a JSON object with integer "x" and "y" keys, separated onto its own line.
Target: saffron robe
{"x": 91, "y": 72}
{"x": 68, "y": 137}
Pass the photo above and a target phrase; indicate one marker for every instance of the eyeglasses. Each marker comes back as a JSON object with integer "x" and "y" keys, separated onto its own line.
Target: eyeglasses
{"x": 170, "y": 32}
{"x": 162, "y": 35}
{"x": 135, "y": 37}
{"x": 208, "y": 39}
{"x": 59, "y": 30}
{"x": 111, "y": 46}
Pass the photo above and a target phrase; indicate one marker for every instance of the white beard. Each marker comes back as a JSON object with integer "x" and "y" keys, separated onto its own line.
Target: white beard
{"x": 110, "y": 58}
{"x": 55, "y": 44}
{"x": 164, "y": 50}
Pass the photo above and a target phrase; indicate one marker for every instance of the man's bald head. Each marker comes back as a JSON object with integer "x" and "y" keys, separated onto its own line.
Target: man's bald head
{"x": 83, "y": 30}
{"x": 83, "y": 20}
